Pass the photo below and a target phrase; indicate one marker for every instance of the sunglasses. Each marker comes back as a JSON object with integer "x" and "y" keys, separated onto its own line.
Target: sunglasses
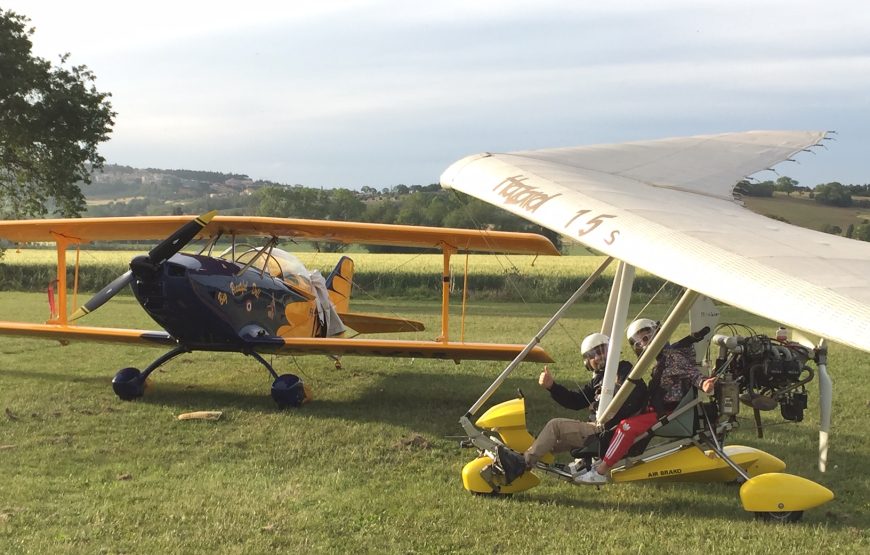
{"x": 597, "y": 352}
{"x": 642, "y": 337}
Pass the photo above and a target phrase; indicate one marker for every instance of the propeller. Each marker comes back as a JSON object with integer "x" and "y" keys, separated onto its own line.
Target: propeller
{"x": 147, "y": 264}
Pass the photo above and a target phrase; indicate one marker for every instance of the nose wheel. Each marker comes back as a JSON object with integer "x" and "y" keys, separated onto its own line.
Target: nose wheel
{"x": 128, "y": 384}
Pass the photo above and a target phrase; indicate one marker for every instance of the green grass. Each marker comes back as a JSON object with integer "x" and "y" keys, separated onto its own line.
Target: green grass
{"x": 83, "y": 472}
{"x": 805, "y": 212}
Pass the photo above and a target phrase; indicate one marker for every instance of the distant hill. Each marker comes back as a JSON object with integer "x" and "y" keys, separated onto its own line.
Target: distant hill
{"x": 126, "y": 191}
{"x": 121, "y": 182}
{"x": 802, "y": 211}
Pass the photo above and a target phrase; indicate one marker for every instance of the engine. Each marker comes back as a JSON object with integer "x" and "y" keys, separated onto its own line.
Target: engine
{"x": 763, "y": 373}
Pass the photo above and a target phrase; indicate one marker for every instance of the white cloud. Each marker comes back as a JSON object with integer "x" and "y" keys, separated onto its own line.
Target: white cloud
{"x": 381, "y": 92}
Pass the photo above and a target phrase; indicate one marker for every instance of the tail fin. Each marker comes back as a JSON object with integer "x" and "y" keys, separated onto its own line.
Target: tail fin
{"x": 339, "y": 284}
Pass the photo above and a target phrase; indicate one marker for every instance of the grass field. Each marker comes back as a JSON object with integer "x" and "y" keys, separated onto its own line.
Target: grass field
{"x": 369, "y": 465}
{"x": 805, "y": 212}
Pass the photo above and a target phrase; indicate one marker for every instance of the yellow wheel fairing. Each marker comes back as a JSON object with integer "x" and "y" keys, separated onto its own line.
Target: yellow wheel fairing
{"x": 776, "y": 492}
{"x": 508, "y": 414}
{"x": 474, "y": 482}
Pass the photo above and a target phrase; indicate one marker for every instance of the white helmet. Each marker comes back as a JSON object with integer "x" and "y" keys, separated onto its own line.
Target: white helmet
{"x": 593, "y": 340}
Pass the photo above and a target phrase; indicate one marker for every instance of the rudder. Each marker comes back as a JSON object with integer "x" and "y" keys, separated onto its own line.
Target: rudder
{"x": 339, "y": 284}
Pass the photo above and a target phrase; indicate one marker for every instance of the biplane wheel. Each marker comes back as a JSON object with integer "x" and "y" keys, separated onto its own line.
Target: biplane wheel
{"x": 128, "y": 384}
{"x": 288, "y": 391}
{"x": 785, "y": 516}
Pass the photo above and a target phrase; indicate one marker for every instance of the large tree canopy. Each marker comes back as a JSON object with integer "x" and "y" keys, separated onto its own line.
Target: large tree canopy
{"x": 51, "y": 120}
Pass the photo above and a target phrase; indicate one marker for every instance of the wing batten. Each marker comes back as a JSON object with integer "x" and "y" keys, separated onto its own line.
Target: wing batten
{"x": 797, "y": 277}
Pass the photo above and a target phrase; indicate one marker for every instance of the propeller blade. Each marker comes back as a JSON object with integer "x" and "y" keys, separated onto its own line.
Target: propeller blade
{"x": 179, "y": 239}
{"x": 104, "y": 295}
{"x": 802, "y": 339}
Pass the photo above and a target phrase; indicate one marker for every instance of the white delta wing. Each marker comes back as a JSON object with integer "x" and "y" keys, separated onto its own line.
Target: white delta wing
{"x": 668, "y": 206}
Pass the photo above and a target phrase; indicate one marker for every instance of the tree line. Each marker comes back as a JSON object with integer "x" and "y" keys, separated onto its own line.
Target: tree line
{"x": 831, "y": 194}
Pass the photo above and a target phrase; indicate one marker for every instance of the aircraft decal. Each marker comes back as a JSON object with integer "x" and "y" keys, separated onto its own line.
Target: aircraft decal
{"x": 528, "y": 197}
{"x": 665, "y": 472}
{"x": 222, "y": 298}
{"x": 589, "y": 225}
{"x": 239, "y": 288}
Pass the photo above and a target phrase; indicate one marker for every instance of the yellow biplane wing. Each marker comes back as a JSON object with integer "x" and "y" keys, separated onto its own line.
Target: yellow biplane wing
{"x": 288, "y": 345}
{"x": 86, "y": 230}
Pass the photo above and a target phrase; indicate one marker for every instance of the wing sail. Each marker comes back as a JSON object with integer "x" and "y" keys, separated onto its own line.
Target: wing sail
{"x": 665, "y": 206}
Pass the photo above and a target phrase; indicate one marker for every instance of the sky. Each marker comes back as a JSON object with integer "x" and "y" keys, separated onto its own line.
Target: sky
{"x": 365, "y": 92}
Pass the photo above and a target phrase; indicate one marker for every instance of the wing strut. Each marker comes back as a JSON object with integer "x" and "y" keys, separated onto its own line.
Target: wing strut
{"x": 825, "y": 396}
{"x": 617, "y": 313}
{"x": 445, "y": 295}
{"x": 464, "y": 421}
{"x": 648, "y": 358}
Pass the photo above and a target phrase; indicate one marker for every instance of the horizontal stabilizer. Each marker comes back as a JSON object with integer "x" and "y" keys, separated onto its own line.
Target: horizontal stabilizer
{"x": 368, "y": 323}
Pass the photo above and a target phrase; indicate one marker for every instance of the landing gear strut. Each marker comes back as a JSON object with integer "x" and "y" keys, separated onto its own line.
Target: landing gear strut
{"x": 287, "y": 389}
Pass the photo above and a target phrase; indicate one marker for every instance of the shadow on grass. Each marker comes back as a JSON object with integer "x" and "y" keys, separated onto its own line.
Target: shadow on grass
{"x": 431, "y": 404}
{"x": 58, "y": 377}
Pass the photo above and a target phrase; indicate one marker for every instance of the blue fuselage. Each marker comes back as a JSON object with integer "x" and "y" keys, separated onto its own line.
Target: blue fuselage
{"x": 209, "y": 303}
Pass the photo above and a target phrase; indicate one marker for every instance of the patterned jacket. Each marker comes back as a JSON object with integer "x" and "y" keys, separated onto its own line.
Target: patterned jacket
{"x": 674, "y": 373}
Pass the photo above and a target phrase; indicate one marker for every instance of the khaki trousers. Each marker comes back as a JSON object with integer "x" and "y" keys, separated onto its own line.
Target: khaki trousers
{"x": 559, "y": 435}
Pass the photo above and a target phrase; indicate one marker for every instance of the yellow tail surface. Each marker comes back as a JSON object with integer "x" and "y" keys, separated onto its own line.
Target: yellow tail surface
{"x": 339, "y": 284}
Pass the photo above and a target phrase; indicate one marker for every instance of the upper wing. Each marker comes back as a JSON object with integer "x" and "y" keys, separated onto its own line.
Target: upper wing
{"x": 84, "y": 230}
{"x": 665, "y": 206}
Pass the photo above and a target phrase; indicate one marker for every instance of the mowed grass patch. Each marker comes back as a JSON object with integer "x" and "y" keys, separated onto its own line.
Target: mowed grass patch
{"x": 368, "y": 465}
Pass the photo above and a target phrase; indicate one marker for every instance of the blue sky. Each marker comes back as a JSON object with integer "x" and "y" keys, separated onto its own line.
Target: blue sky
{"x": 379, "y": 93}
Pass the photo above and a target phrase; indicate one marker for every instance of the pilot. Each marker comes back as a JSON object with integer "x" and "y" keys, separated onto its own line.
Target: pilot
{"x": 564, "y": 434}
{"x": 675, "y": 365}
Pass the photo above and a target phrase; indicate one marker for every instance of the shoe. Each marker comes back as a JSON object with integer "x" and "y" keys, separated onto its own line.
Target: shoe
{"x": 591, "y": 478}
{"x": 512, "y": 463}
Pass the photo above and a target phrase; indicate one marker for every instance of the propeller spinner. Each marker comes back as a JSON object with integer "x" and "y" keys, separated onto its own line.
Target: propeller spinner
{"x": 155, "y": 257}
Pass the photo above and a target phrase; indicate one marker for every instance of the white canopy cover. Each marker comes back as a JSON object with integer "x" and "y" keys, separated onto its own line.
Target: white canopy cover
{"x": 667, "y": 206}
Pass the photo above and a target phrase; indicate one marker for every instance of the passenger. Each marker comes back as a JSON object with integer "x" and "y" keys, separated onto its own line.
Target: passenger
{"x": 674, "y": 366}
{"x": 564, "y": 434}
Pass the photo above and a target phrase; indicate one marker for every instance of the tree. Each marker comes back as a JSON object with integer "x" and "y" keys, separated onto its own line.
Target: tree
{"x": 51, "y": 120}
{"x": 862, "y": 232}
{"x": 834, "y": 194}
{"x": 748, "y": 188}
{"x": 832, "y": 229}
{"x": 785, "y": 185}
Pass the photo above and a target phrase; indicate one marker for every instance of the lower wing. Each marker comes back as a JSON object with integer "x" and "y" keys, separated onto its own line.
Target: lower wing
{"x": 87, "y": 333}
{"x": 288, "y": 345}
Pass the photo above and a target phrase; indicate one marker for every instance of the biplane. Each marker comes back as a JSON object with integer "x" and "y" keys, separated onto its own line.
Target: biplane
{"x": 254, "y": 299}
{"x": 671, "y": 207}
